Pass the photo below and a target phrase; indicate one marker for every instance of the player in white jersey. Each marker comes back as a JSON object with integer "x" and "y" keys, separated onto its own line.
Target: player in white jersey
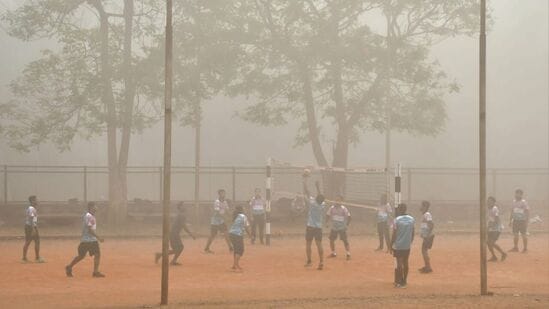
{"x": 494, "y": 229}
{"x": 340, "y": 219}
{"x": 426, "y": 232}
{"x": 217, "y": 221}
{"x": 520, "y": 214}
{"x": 31, "y": 230}
{"x": 89, "y": 243}
{"x": 384, "y": 217}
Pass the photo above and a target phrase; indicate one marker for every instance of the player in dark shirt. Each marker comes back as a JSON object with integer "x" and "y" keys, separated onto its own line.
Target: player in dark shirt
{"x": 175, "y": 239}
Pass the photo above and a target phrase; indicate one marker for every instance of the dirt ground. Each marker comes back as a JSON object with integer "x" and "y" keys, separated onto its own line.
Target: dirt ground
{"x": 273, "y": 277}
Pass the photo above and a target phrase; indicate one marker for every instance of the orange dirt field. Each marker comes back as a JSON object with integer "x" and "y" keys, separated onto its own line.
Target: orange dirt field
{"x": 273, "y": 277}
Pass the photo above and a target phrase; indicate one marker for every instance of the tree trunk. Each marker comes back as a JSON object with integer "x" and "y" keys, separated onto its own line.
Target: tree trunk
{"x": 129, "y": 97}
{"x": 107, "y": 98}
{"x": 311, "y": 117}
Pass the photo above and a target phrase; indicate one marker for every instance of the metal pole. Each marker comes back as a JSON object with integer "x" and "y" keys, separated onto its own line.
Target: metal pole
{"x": 398, "y": 196}
{"x": 268, "y": 186}
{"x": 233, "y": 171}
{"x": 85, "y": 184}
{"x": 161, "y": 183}
{"x": 167, "y": 153}
{"x": 197, "y": 168}
{"x": 409, "y": 185}
{"x": 482, "y": 149}
{"x": 5, "y": 185}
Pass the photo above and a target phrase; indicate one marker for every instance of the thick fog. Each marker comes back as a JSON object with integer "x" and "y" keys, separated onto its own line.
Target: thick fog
{"x": 517, "y": 97}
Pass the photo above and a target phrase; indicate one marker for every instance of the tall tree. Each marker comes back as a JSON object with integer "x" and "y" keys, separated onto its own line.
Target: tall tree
{"x": 345, "y": 66}
{"x": 86, "y": 88}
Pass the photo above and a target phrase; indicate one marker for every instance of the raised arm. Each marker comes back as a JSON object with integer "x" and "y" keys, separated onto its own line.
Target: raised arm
{"x": 317, "y": 186}
{"x": 306, "y": 191}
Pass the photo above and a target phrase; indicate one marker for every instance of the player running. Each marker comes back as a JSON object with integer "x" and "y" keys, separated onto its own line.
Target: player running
{"x": 236, "y": 234}
{"x": 31, "y": 230}
{"x": 314, "y": 222}
{"x": 180, "y": 223}
{"x": 341, "y": 218}
{"x": 217, "y": 222}
{"x": 384, "y": 216}
{"x": 89, "y": 243}
{"x": 494, "y": 229}
{"x": 520, "y": 215}
{"x": 257, "y": 209}
{"x": 428, "y": 236}
{"x": 403, "y": 236}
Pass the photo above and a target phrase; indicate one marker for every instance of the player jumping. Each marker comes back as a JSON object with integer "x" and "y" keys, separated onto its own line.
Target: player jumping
{"x": 520, "y": 215}
{"x": 180, "y": 223}
{"x": 341, "y": 218}
{"x": 494, "y": 229}
{"x": 31, "y": 230}
{"x": 236, "y": 234}
{"x": 257, "y": 209}
{"x": 89, "y": 243}
{"x": 428, "y": 236}
{"x": 314, "y": 223}
{"x": 217, "y": 222}
{"x": 384, "y": 214}
{"x": 403, "y": 236}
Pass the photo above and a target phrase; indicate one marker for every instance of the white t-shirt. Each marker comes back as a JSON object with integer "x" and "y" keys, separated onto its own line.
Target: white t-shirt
{"x": 31, "y": 216}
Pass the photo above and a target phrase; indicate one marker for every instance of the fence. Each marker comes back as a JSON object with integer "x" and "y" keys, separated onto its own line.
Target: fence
{"x": 61, "y": 183}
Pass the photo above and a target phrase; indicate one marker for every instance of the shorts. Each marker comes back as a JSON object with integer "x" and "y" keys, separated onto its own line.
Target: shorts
{"x": 493, "y": 236}
{"x": 401, "y": 253}
{"x": 313, "y": 233}
{"x": 91, "y": 247}
{"x": 215, "y": 228}
{"x": 238, "y": 244}
{"x": 175, "y": 243}
{"x": 341, "y": 234}
{"x": 519, "y": 226}
{"x": 28, "y": 234}
{"x": 427, "y": 243}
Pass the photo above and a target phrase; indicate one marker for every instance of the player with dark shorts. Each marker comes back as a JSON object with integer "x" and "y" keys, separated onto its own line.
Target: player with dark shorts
{"x": 236, "y": 234}
{"x": 403, "y": 236}
{"x": 340, "y": 218}
{"x": 31, "y": 230}
{"x": 180, "y": 223}
{"x": 314, "y": 223}
{"x": 217, "y": 222}
{"x": 426, "y": 232}
{"x": 520, "y": 214}
{"x": 494, "y": 229}
{"x": 257, "y": 209}
{"x": 89, "y": 243}
{"x": 384, "y": 217}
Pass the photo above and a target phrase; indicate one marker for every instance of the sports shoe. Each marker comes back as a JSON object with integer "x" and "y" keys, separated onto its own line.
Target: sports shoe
{"x": 524, "y": 250}
{"x": 332, "y": 255}
{"x": 68, "y": 271}
{"x": 308, "y": 264}
{"x": 157, "y": 257}
{"x": 348, "y": 257}
{"x": 378, "y": 249}
{"x": 503, "y": 257}
{"x": 98, "y": 275}
{"x": 425, "y": 270}
{"x": 515, "y": 249}
{"x": 39, "y": 260}
{"x": 175, "y": 263}
{"x": 24, "y": 261}
{"x": 320, "y": 266}
{"x": 402, "y": 286}
{"x": 422, "y": 269}
{"x": 493, "y": 259}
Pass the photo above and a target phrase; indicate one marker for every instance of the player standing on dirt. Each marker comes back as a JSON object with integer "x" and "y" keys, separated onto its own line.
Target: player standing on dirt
{"x": 384, "y": 216}
{"x": 341, "y": 218}
{"x": 257, "y": 209}
{"x": 89, "y": 243}
{"x": 180, "y": 223}
{"x": 494, "y": 229}
{"x": 428, "y": 236}
{"x": 403, "y": 236}
{"x": 31, "y": 230}
{"x": 217, "y": 222}
{"x": 314, "y": 222}
{"x": 520, "y": 215}
{"x": 236, "y": 234}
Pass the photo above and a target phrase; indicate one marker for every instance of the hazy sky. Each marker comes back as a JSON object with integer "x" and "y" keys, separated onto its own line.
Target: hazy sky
{"x": 517, "y": 93}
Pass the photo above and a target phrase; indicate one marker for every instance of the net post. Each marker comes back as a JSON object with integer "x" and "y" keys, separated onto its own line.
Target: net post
{"x": 85, "y": 184}
{"x": 5, "y": 185}
{"x": 398, "y": 195}
{"x": 268, "y": 193}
